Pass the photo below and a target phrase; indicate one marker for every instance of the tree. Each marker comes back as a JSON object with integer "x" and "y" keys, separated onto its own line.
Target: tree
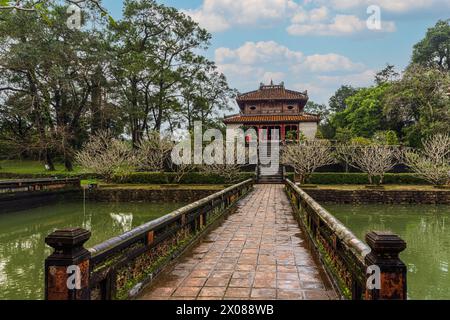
{"x": 417, "y": 105}
{"x": 338, "y": 102}
{"x": 387, "y": 137}
{"x": 59, "y": 85}
{"x": 388, "y": 74}
{"x": 432, "y": 162}
{"x": 204, "y": 92}
{"x": 343, "y": 135}
{"x": 434, "y": 49}
{"x": 319, "y": 109}
{"x": 364, "y": 113}
{"x": 40, "y": 5}
{"x": 50, "y": 70}
{"x": 155, "y": 46}
{"x": 106, "y": 155}
{"x": 307, "y": 156}
{"x": 153, "y": 152}
{"x": 325, "y": 130}
{"x": 374, "y": 159}
{"x": 230, "y": 171}
{"x": 343, "y": 152}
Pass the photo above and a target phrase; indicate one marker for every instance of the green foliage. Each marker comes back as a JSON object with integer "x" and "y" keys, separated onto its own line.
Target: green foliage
{"x": 343, "y": 135}
{"x": 434, "y": 49}
{"x": 388, "y": 137}
{"x": 414, "y": 105}
{"x": 316, "y": 108}
{"x": 169, "y": 178}
{"x": 388, "y": 74}
{"x": 417, "y": 106}
{"x": 360, "y": 141}
{"x": 364, "y": 114}
{"x": 360, "y": 178}
{"x": 337, "y": 102}
{"x": 141, "y": 73}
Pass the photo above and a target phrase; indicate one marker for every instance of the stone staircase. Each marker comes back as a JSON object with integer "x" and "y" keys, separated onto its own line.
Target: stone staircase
{"x": 266, "y": 173}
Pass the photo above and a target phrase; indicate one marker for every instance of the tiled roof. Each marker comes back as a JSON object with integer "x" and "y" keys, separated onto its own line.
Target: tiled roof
{"x": 272, "y": 92}
{"x": 304, "y": 117}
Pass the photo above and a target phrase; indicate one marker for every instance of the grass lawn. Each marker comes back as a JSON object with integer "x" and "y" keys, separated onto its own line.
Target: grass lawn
{"x": 32, "y": 167}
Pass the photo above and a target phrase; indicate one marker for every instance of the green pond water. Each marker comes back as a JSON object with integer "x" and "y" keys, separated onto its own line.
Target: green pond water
{"x": 22, "y": 234}
{"x": 425, "y": 228}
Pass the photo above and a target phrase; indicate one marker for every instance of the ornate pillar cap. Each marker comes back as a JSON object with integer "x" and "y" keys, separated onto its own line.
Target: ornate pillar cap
{"x": 385, "y": 242}
{"x": 66, "y": 238}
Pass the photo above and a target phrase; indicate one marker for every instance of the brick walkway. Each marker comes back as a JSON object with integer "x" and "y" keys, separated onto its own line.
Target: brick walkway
{"x": 257, "y": 253}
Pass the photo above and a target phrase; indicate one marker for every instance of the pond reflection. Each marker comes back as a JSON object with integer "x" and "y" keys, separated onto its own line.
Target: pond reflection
{"x": 22, "y": 235}
{"x": 426, "y": 230}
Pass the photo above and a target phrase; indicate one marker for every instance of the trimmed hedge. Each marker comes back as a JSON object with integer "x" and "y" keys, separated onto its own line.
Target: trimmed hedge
{"x": 360, "y": 178}
{"x": 169, "y": 178}
{"x": 82, "y": 176}
{"x": 202, "y": 178}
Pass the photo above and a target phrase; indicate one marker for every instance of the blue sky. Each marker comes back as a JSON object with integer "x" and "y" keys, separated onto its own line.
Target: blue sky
{"x": 314, "y": 45}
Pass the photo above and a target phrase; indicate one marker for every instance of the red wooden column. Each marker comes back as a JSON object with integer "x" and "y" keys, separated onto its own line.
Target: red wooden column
{"x": 283, "y": 132}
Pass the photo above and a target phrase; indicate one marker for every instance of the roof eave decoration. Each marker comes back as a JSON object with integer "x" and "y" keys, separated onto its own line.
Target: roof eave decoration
{"x": 242, "y": 119}
{"x": 272, "y": 92}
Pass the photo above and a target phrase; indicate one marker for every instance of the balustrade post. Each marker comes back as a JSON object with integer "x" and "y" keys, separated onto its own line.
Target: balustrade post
{"x": 67, "y": 268}
{"x": 391, "y": 284}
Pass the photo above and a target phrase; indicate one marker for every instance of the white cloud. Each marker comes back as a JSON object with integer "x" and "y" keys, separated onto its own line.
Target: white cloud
{"x": 328, "y": 63}
{"x": 255, "y": 62}
{"x": 316, "y": 17}
{"x": 314, "y": 90}
{"x": 364, "y": 78}
{"x": 258, "y": 53}
{"x": 220, "y": 15}
{"x": 210, "y": 21}
{"x": 276, "y": 77}
{"x": 396, "y": 6}
{"x": 254, "y": 55}
{"x": 338, "y": 26}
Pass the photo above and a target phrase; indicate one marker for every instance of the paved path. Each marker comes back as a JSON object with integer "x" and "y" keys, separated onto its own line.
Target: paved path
{"x": 257, "y": 253}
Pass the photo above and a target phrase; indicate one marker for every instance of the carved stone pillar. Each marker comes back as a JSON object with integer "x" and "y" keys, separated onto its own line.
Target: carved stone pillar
{"x": 386, "y": 247}
{"x": 67, "y": 268}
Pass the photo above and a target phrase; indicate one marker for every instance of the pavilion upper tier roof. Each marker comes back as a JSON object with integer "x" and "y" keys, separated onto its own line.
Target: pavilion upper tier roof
{"x": 272, "y": 92}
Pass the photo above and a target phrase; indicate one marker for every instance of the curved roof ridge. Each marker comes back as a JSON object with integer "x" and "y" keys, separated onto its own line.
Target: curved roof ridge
{"x": 262, "y": 118}
{"x": 272, "y": 92}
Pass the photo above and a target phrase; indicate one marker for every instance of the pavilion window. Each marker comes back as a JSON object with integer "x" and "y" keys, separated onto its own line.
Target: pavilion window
{"x": 291, "y": 132}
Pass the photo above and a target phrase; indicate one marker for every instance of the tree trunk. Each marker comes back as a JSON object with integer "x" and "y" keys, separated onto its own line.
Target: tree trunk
{"x": 49, "y": 161}
{"x": 68, "y": 164}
